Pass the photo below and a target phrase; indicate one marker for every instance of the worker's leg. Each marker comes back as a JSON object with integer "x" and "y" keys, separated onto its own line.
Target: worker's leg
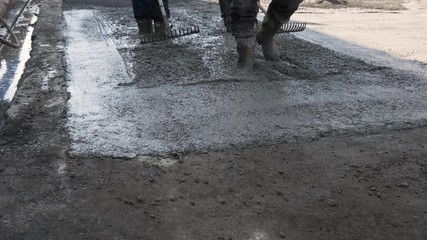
{"x": 243, "y": 27}
{"x": 142, "y": 16}
{"x": 282, "y": 10}
{"x": 225, "y": 6}
{"x": 279, "y": 12}
{"x": 159, "y": 24}
{"x": 145, "y": 11}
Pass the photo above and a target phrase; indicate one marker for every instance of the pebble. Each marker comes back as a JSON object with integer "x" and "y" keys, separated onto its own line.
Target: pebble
{"x": 403, "y": 184}
{"x": 282, "y": 235}
{"x": 128, "y": 201}
{"x": 332, "y": 202}
{"x": 140, "y": 199}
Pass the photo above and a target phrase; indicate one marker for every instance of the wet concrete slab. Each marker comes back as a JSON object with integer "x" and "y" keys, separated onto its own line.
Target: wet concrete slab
{"x": 185, "y": 95}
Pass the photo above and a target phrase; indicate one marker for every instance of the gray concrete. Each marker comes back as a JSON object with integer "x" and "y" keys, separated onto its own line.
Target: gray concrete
{"x": 184, "y": 95}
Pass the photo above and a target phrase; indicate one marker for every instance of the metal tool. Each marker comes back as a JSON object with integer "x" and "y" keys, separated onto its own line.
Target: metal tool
{"x": 169, "y": 33}
{"x": 289, "y": 26}
{"x": 5, "y": 7}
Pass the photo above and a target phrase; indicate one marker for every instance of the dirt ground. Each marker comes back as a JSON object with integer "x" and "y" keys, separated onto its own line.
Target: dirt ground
{"x": 342, "y": 187}
{"x": 397, "y": 32}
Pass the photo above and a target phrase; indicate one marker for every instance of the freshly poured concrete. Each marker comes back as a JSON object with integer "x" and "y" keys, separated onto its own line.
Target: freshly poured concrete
{"x": 184, "y": 95}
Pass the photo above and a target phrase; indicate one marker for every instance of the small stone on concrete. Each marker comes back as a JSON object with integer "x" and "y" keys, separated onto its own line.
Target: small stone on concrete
{"x": 332, "y": 202}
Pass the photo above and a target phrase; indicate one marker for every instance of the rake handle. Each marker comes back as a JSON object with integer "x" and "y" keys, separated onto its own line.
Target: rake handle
{"x": 165, "y": 17}
{"x": 263, "y": 10}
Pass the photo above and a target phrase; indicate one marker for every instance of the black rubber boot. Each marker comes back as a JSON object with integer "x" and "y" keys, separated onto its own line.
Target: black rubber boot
{"x": 265, "y": 37}
{"x": 145, "y": 26}
{"x": 245, "y": 49}
{"x": 160, "y": 28}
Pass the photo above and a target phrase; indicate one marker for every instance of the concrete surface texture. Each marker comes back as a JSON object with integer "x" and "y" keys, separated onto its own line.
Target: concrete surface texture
{"x": 185, "y": 95}
{"x": 110, "y": 139}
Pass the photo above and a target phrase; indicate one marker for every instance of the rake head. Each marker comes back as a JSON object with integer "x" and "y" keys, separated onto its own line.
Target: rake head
{"x": 293, "y": 27}
{"x": 156, "y": 37}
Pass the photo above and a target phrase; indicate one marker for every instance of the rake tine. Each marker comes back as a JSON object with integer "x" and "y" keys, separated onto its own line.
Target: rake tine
{"x": 170, "y": 34}
{"x": 293, "y": 27}
{"x": 289, "y": 26}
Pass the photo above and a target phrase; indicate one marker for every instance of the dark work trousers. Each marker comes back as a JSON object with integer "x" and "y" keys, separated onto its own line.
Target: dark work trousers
{"x": 149, "y": 9}
{"x": 243, "y": 14}
{"x": 225, "y": 6}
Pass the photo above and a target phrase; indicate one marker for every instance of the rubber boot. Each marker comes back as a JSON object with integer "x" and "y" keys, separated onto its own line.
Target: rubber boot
{"x": 145, "y": 26}
{"x": 265, "y": 37}
{"x": 245, "y": 49}
{"x": 160, "y": 28}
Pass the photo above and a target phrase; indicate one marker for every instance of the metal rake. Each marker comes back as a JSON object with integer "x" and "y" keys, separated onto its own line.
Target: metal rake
{"x": 169, "y": 34}
{"x": 289, "y": 26}
{"x": 293, "y": 27}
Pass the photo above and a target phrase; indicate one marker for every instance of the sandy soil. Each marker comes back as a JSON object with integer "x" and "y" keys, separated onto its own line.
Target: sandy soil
{"x": 400, "y": 33}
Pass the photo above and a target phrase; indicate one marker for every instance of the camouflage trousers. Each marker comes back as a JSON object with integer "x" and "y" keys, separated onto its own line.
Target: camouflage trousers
{"x": 241, "y": 14}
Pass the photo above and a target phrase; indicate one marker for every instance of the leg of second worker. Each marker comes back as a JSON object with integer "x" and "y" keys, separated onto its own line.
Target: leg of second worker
{"x": 279, "y": 12}
{"x": 243, "y": 27}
